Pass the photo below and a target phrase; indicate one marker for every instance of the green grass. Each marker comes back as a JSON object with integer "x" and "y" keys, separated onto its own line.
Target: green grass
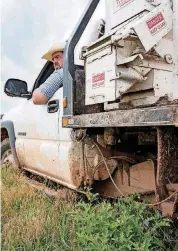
{"x": 32, "y": 221}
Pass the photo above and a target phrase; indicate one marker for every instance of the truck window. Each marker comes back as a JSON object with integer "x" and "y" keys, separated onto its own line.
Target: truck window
{"x": 46, "y": 71}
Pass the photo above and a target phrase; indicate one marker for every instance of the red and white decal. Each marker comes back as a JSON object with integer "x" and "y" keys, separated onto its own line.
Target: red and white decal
{"x": 119, "y": 4}
{"x": 156, "y": 23}
{"x": 98, "y": 80}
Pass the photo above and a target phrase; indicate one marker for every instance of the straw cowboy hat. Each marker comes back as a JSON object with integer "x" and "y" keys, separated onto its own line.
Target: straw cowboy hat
{"x": 56, "y": 47}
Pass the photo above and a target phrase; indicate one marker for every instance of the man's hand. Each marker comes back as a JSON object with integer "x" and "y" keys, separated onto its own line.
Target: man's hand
{"x": 39, "y": 98}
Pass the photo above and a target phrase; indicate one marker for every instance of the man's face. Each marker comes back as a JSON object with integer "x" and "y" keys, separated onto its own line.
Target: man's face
{"x": 57, "y": 59}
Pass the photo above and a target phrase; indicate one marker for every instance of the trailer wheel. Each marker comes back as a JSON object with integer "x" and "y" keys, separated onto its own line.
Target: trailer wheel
{"x": 6, "y": 153}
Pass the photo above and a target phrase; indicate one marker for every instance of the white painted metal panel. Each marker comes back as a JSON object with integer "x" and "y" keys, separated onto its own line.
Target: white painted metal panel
{"x": 49, "y": 158}
{"x": 163, "y": 83}
{"x": 45, "y": 146}
{"x": 165, "y": 47}
{"x": 100, "y": 69}
{"x": 155, "y": 25}
{"x": 36, "y": 122}
{"x": 119, "y": 11}
{"x": 175, "y": 59}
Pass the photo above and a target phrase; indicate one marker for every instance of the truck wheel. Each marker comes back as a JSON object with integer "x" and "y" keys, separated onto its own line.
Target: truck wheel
{"x": 6, "y": 153}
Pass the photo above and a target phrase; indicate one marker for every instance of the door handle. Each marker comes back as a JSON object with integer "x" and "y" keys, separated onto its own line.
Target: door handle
{"x": 53, "y": 106}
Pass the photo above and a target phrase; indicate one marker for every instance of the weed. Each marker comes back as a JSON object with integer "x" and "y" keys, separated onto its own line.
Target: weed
{"x": 33, "y": 221}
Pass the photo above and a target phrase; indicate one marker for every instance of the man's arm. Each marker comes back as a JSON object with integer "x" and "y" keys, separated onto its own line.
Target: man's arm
{"x": 39, "y": 98}
{"x": 42, "y": 94}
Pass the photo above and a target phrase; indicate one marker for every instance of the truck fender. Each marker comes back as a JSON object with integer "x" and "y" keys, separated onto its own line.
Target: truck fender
{"x": 9, "y": 126}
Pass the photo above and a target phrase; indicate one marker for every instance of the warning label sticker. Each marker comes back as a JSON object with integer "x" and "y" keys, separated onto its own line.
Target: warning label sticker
{"x": 156, "y": 23}
{"x": 119, "y": 4}
{"x": 98, "y": 80}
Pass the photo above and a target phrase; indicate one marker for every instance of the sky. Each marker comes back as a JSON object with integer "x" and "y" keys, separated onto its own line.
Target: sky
{"x": 28, "y": 30}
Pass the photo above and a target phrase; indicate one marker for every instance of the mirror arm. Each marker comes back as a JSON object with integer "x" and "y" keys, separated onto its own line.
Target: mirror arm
{"x": 26, "y": 95}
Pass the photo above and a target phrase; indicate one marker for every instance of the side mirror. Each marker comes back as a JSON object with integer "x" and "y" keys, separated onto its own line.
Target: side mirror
{"x": 15, "y": 87}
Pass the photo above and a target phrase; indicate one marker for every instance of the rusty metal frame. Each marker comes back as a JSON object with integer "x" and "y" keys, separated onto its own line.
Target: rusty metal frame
{"x": 167, "y": 169}
{"x": 154, "y": 116}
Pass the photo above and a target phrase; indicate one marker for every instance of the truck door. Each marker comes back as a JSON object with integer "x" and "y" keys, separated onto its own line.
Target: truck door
{"x": 38, "y": 133}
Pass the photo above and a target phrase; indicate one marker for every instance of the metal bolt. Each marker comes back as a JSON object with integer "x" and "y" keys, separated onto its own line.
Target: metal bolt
{"x": 168, "y": 59}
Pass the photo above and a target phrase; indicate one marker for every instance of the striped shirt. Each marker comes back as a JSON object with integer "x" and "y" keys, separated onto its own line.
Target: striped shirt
{"x": 52, "y": 84}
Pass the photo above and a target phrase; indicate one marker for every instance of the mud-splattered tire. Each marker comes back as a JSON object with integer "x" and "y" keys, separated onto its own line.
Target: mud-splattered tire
{"x": 6, "y": 153}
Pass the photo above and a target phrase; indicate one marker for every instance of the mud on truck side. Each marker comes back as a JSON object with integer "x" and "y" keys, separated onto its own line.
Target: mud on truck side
{"x": 116, "y": 122}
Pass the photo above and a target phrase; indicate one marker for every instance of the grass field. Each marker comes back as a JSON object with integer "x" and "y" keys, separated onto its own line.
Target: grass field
{"x": 33, "y": 221}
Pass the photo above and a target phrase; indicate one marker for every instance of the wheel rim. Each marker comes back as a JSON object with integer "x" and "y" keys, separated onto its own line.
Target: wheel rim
{"x": 7, "y": 158}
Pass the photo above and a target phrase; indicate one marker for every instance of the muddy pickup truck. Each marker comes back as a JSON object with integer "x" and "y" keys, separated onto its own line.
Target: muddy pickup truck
{"x": 113, "y": 124}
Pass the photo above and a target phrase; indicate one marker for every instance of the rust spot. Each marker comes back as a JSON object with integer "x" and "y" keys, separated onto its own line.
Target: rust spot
{"x": 76, "y": 164}
{"x": 109, "y": 136}
{"x": 167, "y": 169}
{"x": 140, "y": 179}
{"x": 175, "y": 115}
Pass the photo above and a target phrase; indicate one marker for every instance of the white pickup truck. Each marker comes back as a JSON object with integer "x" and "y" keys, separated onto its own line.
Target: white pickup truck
{"x": 113, "y": 125}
